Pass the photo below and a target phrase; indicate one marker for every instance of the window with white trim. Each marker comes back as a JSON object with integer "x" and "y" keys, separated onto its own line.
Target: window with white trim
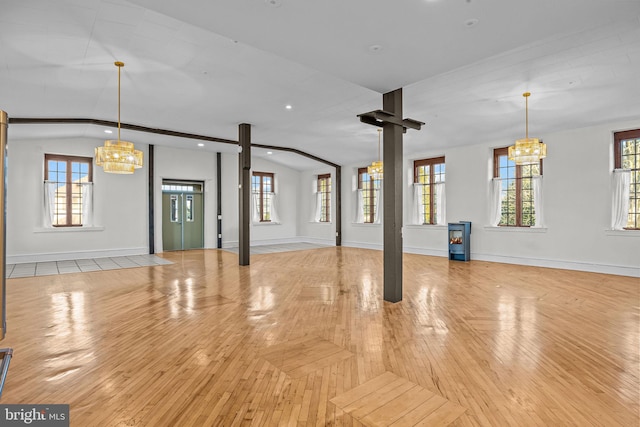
{"x": 67, "y": 189}
{"x": 262, "y": 188}
{"x": 428, "y": 178}
{"x": 516, "y": 198}
{"x": 324, "y": 197}
{"x": 627, "y": 164}
{"x": 368, "y": 197}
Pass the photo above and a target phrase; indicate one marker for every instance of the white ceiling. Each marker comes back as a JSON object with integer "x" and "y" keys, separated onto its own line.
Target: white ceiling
{"x": 202, "y": 66}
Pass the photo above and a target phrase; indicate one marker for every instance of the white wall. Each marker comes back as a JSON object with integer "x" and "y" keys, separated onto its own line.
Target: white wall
{"x": 230, "y": 207}
{"x": 318, "y": 232}
{"x": 193, "y": 165}
{"x": 577, "y": 200}
{"x": 287, "y": 182}
{"x": 576, "y": 196}
{"x": 120, "y": 206}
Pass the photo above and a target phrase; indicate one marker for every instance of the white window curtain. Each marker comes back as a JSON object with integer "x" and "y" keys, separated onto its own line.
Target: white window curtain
{"x": 495, "y": 212}
{"x": 87, "y": 204}
{"x": 273, "y": 200}
{"x": 441, "y": 203}
{"x": 377, "y": 217}
{"x": 417, "y": 208}
{"x": 317, "y": 214}
{"x": 538, "y": 208}
{"x": 620, "y": 202}
{"x": 255, "y": 207}
{"x": 359, "y": 207}
{"x": 49, "y": 203}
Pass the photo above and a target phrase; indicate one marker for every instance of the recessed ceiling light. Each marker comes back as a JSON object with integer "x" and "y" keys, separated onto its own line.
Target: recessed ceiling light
{"x": 200, "y": 144}
{"x": 375, "y": 48}
{"x": 273, "y": 3}
{"x": 269, "y": 152}
{"x": 288, "y": 106}
{"x": 108, "y": 131}
{"x": 471, "y": 22}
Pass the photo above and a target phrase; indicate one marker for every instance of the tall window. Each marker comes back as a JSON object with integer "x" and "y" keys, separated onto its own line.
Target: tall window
{"x": 324, "y": 191}
{"x": 429, "y": 173}
{"x": 67, "y": 174}
{"x": 369, "y": 186}
{"x": 627, "y": 156}
{"x": 262, "y": 189}
{"x": 517, "y": 203}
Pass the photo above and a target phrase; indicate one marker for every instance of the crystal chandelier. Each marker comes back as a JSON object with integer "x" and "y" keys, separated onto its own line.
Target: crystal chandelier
{"x": 118, "y": 156}
{"x": 375, "y": 170}
{"x": 527, "y": 151}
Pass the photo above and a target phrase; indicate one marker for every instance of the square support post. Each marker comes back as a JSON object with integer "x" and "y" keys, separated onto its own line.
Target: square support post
{"x": 338, "y": 188}
{"x": 244, "y": 190}
{"x": 392, "y": 197}
{"x": 4, "y": 123}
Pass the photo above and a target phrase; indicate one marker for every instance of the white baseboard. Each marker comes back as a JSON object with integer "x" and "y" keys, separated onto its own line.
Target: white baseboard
{"x": 535, "y": 262}
{"x": 318, "y": 241}
{"x": 286, "y": 240}
{"x": 63, "y": 256}
{"x": 229, "y": 244}
{"x": 362, "y": 245}
{"x": 235, "y": 243}
{"x": 619, "y": 270}
{"x": 280, "y": 241}
{"x": 424, "y": 251}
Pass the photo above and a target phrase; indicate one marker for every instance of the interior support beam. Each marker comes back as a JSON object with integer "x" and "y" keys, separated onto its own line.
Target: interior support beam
{"x": 338, "y": 183}
{"x": 244, "y": 189}
{"x": 108, "y": 123}
{"x": 392, "y": 196}
{"x": 296, "y": 151}
{"x": 393, "y": 126}
{"x": 150, "y": 166}
{"x": 219, "y": 193}
{"x": 338, "y": 187}
{"x": 4, "y": 124}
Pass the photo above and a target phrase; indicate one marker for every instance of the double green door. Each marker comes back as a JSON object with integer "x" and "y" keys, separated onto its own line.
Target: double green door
{"x": 182, "y": 218}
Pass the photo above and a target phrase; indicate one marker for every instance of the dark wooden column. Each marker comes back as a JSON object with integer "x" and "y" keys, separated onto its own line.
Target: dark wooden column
{"x": 393, "y": 125}
{"x": 219, "y": 193}
{"x": 152, "y": 223}
{"x": 338, "y": 190}
{"x": 392, "y": 197}
{"x": 244, "y": 190}
{"x": 4, "y": 122}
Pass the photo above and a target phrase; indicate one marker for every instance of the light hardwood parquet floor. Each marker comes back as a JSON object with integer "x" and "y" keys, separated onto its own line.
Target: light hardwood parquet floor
{"x": 304, "y": 338}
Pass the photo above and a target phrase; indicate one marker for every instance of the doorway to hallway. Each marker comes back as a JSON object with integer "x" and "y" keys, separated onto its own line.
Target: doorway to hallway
{"x": 182, "y": 215}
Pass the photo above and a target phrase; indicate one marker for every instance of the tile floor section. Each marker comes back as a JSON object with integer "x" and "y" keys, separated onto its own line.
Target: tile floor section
{"x": 82, "y": 265}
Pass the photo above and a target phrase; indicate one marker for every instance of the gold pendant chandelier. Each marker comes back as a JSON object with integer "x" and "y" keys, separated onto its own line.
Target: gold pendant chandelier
{"x": 527, "y": 151}
{"x": 118, "y": 156}
{"x": 375, "y": 170}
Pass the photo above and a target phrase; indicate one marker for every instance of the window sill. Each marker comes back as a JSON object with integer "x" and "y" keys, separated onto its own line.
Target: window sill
{"x": 516, "y": 229}
{"x": 66, "y": 229}
{"x": 260, "y": 224}
{"x": 365, "y": 224}
{"x": 624, "y": 233}
{"x": 321, "y": 222}
{"x": 425, "y": 226}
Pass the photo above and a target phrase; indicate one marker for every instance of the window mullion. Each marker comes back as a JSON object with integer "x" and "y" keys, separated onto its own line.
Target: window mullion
{"x": 519, "y": 195}
{"x": 431, "y": 190}
{"x": 69, "y": 195}
{"x": 372, "y": 201}
{"x": 261, "y": 198}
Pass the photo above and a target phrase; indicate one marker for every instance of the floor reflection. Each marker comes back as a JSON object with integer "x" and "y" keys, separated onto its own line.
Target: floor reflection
{"x": 517, "y": 326}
